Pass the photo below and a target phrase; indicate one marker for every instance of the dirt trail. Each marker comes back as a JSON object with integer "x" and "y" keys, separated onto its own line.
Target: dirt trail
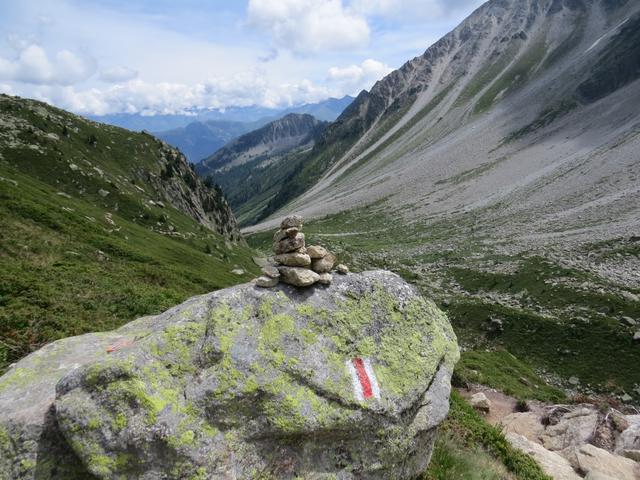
{"x": 501, "y": 404}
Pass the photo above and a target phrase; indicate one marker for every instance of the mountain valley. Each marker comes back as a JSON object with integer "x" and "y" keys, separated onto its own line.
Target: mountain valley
{"x": 497, "y": 175}
{"x": 252, "y": 169}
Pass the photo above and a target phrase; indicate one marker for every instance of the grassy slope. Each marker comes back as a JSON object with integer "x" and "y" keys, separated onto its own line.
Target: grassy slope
{"x": 73, "y": 261}
{"x": 470, "y": 449}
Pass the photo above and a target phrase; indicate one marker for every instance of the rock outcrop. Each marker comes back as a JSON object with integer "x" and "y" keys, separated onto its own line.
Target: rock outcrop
{"x": 346, "y": 381}
{"x": 570, "y": 441}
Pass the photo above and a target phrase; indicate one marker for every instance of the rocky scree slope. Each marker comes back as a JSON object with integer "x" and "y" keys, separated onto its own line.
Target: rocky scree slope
{"x": 244, "y": 383}
{"x": 100, "y": 225}
{"x": 521, "y": 120}
{"x": 252, "y": 168}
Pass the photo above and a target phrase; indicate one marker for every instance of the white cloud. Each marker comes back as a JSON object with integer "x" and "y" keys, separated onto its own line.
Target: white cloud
{"x": 4, "y": 88}
{"x": 147, "y": 98}
{"x": 116, "y": 74}
{"x": 33, "y": 65}
{"x": 309, "y": 26}
{"x": 412, "y": 11}
{"x": 357, "y": 77}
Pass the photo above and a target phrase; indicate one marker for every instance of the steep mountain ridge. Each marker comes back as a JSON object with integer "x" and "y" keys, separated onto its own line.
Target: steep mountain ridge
{"x": 272, "y": 140}
{"x": 254, "y": 166}
{"x": 510, "y": 71}
{"x": 100, "y": 225}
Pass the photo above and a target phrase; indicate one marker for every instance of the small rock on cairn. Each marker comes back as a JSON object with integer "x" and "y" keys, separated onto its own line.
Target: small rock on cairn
{"x": 297, "y": 264}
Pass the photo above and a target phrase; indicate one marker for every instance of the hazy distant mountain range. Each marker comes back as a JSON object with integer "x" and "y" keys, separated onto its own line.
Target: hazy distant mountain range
{"x": 201, "y": 134}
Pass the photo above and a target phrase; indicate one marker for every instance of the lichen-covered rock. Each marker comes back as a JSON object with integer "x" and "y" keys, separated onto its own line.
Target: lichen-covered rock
{"x": 266, "y": 282}
{"x": 325, "y": 278}
{"x": 347, "y": 382}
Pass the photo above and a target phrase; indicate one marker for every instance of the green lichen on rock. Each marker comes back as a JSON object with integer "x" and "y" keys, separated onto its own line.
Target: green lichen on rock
{"x": 257, "y": 382}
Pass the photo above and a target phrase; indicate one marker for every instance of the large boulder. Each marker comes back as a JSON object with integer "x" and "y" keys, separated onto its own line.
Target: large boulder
{"x": 347, "y": 381}
{"x": 570, "y": 429}
{"x": 588, "y": 458}
{"x": 552, "y": 463}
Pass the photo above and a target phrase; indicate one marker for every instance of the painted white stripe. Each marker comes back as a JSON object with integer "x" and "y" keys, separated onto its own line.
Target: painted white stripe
{"x": 355, "y": 380}
{"x": 372, "y": 378}
{"x": 357, "y": 388}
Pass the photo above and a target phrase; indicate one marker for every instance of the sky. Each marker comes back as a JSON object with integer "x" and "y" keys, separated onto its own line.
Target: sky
{"x": 174, "y": 56}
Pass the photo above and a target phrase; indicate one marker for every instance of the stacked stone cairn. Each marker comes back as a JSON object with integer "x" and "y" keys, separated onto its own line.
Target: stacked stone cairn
{"x": 295, "y": 263}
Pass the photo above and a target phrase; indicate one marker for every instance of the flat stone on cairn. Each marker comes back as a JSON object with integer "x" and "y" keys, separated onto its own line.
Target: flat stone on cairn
{"x": 297, "y": 264}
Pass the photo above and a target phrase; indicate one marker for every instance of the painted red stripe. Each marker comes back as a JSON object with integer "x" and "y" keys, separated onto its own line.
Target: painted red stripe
{"x": 365, "y": 382}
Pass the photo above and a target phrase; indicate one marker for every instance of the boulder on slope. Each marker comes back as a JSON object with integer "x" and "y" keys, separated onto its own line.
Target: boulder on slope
{"x": 347, "y": 381}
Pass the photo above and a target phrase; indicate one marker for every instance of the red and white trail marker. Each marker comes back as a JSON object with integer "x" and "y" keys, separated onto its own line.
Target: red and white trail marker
{"x": 365, "y": 384}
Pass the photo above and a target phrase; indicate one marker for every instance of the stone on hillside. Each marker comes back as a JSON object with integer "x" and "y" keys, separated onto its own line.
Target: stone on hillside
{"x": 342, "y": 269}
{"x": 293, "y": 259}
{"x": 266, "y": 282}
{"x": 239, "y": 381}
{"x": 632, "y": 454}
{"x": 588, "y": 458}
{"x": 629, "y": 321}
{"x": 298, "y": 277}
{"x": 527, "y": 424}
{"x": 636, "y": 336}
{"x": 271, "y": 271}
{"x": 593, "y": 475}
{"x": 572, "y": 428}
{"x": 619, "y": 421}
{"x": 288, "y": 245}
{"x": 324, "y": 264}
{"x": 552, "y": 463}
{"x": 293, "y": 221}
{"x": 629, "y": 438}
{"x": 325, "y": 278}
{"x": 631, "y": 297}
{"x": 479, "y": 401}
{"x": 316, "y": 251}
